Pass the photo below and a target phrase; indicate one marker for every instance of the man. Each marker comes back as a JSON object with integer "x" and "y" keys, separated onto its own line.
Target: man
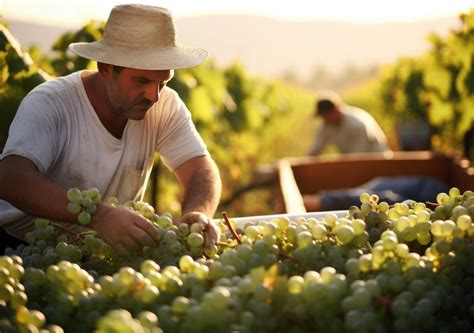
{"x": 101, "y": 129}
{"x": 351, "y": 129}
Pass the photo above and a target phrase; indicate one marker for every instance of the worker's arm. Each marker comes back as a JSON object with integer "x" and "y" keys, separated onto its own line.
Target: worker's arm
{"x": 319, "y": 141}
{"x": 30, "y": 191}
{"x": 202, "y": 189}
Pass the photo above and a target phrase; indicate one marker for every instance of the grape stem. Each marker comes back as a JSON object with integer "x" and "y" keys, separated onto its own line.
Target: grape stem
{"x": 60, "y": 226}
{"x": 431, "y": 205}
{"x": 231, "y": 228}
{"x": 77, "y": 235}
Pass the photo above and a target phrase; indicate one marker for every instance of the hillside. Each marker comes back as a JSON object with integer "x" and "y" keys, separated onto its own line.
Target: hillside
{"x": 269, "y": 47}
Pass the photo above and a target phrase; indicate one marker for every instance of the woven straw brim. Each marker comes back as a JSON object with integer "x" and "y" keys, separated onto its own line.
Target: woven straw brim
{"x": 150, "y": 58}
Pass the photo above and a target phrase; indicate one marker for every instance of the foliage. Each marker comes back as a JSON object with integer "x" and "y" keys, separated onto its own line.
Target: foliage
{"x": 18, "y": 75}
{"x": 249, "y": 121}
{"x": 437, "y": 86}
{"x": 245, "y": 121}
{"x": 66, "y": 63}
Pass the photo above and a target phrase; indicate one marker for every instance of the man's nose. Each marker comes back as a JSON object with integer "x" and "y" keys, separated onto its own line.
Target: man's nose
{"x": 152, "y": 93}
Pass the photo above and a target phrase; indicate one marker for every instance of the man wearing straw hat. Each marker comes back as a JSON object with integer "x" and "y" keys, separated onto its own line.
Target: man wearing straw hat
{"x": 101, "y": 129}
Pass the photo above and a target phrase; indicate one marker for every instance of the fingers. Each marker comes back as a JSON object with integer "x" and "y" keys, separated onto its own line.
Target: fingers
{"x": 212, "y": 232}
{"x": 191, "y": 218}
{"x": 143, "y": 235}
{"x": 148, "y": 227}
{"x": 125, "y": 231}
{"x": 128, "y": 232}
{"x": 195, "y": 217}
{"x": 127, "y": 246}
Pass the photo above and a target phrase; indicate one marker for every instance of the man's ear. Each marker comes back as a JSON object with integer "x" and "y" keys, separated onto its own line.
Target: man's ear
{"x": 104, "y": 69}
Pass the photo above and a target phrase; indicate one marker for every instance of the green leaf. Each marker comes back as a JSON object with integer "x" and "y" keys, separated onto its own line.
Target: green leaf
{"x": 200, "y": 104}
{"x": 465, "y": 81}
{"x": 466, "y": 110}
{"x": 438, "y": 78}
{"x": 440, "y": 111}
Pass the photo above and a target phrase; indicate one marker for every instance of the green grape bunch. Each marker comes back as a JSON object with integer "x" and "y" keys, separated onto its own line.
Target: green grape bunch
{"x": 378, "y": 268}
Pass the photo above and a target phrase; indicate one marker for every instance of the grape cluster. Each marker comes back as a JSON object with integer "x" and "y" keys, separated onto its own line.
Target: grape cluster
{"x": 380, "y": 268}
{"x": 83, "y": 203}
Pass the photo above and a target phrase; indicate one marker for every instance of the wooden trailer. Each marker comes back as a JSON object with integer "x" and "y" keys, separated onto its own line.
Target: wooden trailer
{"x": 308, "y": 175}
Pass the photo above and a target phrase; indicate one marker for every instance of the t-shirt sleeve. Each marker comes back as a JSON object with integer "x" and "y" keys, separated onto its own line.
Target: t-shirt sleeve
{"x": 34, "y": 132}
{"x": 178, "y": 139}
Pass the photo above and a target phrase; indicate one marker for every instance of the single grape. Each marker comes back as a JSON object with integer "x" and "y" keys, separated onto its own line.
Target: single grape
{"x": 195, "y": 240}
{"x": 74, "y": 195}
{"x": 364, "y": 197}
{"x": 345, "y": 234}
{"x": 84, "y": 218}
{"x": 464, "y": 222}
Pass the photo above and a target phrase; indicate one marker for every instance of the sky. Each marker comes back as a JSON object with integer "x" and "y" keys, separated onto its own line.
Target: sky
{"x": 74, "y": 12}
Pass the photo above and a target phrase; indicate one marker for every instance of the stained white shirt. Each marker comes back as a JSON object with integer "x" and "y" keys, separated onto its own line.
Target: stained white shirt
{"x": 57, "y": 128}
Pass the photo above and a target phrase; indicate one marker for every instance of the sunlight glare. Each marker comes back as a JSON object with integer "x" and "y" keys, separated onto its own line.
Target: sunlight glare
{"x": 362, "y": 11}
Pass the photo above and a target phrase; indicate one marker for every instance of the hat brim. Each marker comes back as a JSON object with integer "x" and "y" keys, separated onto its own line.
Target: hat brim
{"x": 147, "y": 58}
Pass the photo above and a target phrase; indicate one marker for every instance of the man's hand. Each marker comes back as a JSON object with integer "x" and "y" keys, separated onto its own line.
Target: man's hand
{"x": 123, "y": 229}
{"x": 211, "y": 229}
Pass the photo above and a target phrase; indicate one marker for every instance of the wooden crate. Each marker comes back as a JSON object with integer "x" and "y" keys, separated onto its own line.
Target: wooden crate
{"x": 308, "y": 175}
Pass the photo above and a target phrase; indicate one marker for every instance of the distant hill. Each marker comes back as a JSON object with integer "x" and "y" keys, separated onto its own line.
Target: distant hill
{"x": 269, "y": 47}
{"x": 42, "y": 35}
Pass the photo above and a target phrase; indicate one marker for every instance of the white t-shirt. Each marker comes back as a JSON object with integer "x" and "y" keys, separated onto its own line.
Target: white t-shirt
{"x": 357, "y": 133}
{"x": 57, "y": 128}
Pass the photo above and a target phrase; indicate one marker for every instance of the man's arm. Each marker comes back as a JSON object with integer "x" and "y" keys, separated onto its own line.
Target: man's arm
{"x": 202, "y": 190}
{"x": 319, "y": 141}
{"x": 30, "y": 191}
{"x": 202, "y": 184}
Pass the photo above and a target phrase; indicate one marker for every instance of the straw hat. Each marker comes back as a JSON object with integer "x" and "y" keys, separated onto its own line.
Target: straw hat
{"x": 142, "y": 37}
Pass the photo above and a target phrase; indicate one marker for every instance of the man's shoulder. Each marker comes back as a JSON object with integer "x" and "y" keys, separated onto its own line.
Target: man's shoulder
{"x": 168, "y": 92}
{"x": 353, "y": 110}
{"x": 56, "y": 87}
{"x": 168, "y": 97}
{"x": 356, "y": 114}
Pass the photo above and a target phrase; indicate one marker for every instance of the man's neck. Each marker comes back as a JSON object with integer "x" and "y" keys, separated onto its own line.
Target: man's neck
{"x": 97, "y": 94}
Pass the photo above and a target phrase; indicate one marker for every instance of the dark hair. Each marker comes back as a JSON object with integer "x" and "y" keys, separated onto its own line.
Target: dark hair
{"x": 324, "y": 106}
{"x": 327, "y": 102}
{"x": 117, "y": 69}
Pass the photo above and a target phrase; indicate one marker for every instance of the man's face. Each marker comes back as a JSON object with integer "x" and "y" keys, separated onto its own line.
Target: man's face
{"x": 132, "y": 92}
{"x": 333, "y": 117}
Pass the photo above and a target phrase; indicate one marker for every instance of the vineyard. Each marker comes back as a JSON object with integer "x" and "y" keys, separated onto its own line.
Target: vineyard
{"x": 248, "y": 122}
{"x": 376, "y": 267}
{"x": 244, "y": 121}
{"x": 437, "y": 87}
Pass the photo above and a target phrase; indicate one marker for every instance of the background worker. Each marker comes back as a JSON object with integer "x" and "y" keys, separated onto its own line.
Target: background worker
{"x": 351, "y": 129}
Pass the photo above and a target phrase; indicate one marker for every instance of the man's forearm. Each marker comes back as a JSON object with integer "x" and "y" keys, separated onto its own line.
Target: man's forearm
{"x": 203, "y": 190}
{"x": 28, "y": 190}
